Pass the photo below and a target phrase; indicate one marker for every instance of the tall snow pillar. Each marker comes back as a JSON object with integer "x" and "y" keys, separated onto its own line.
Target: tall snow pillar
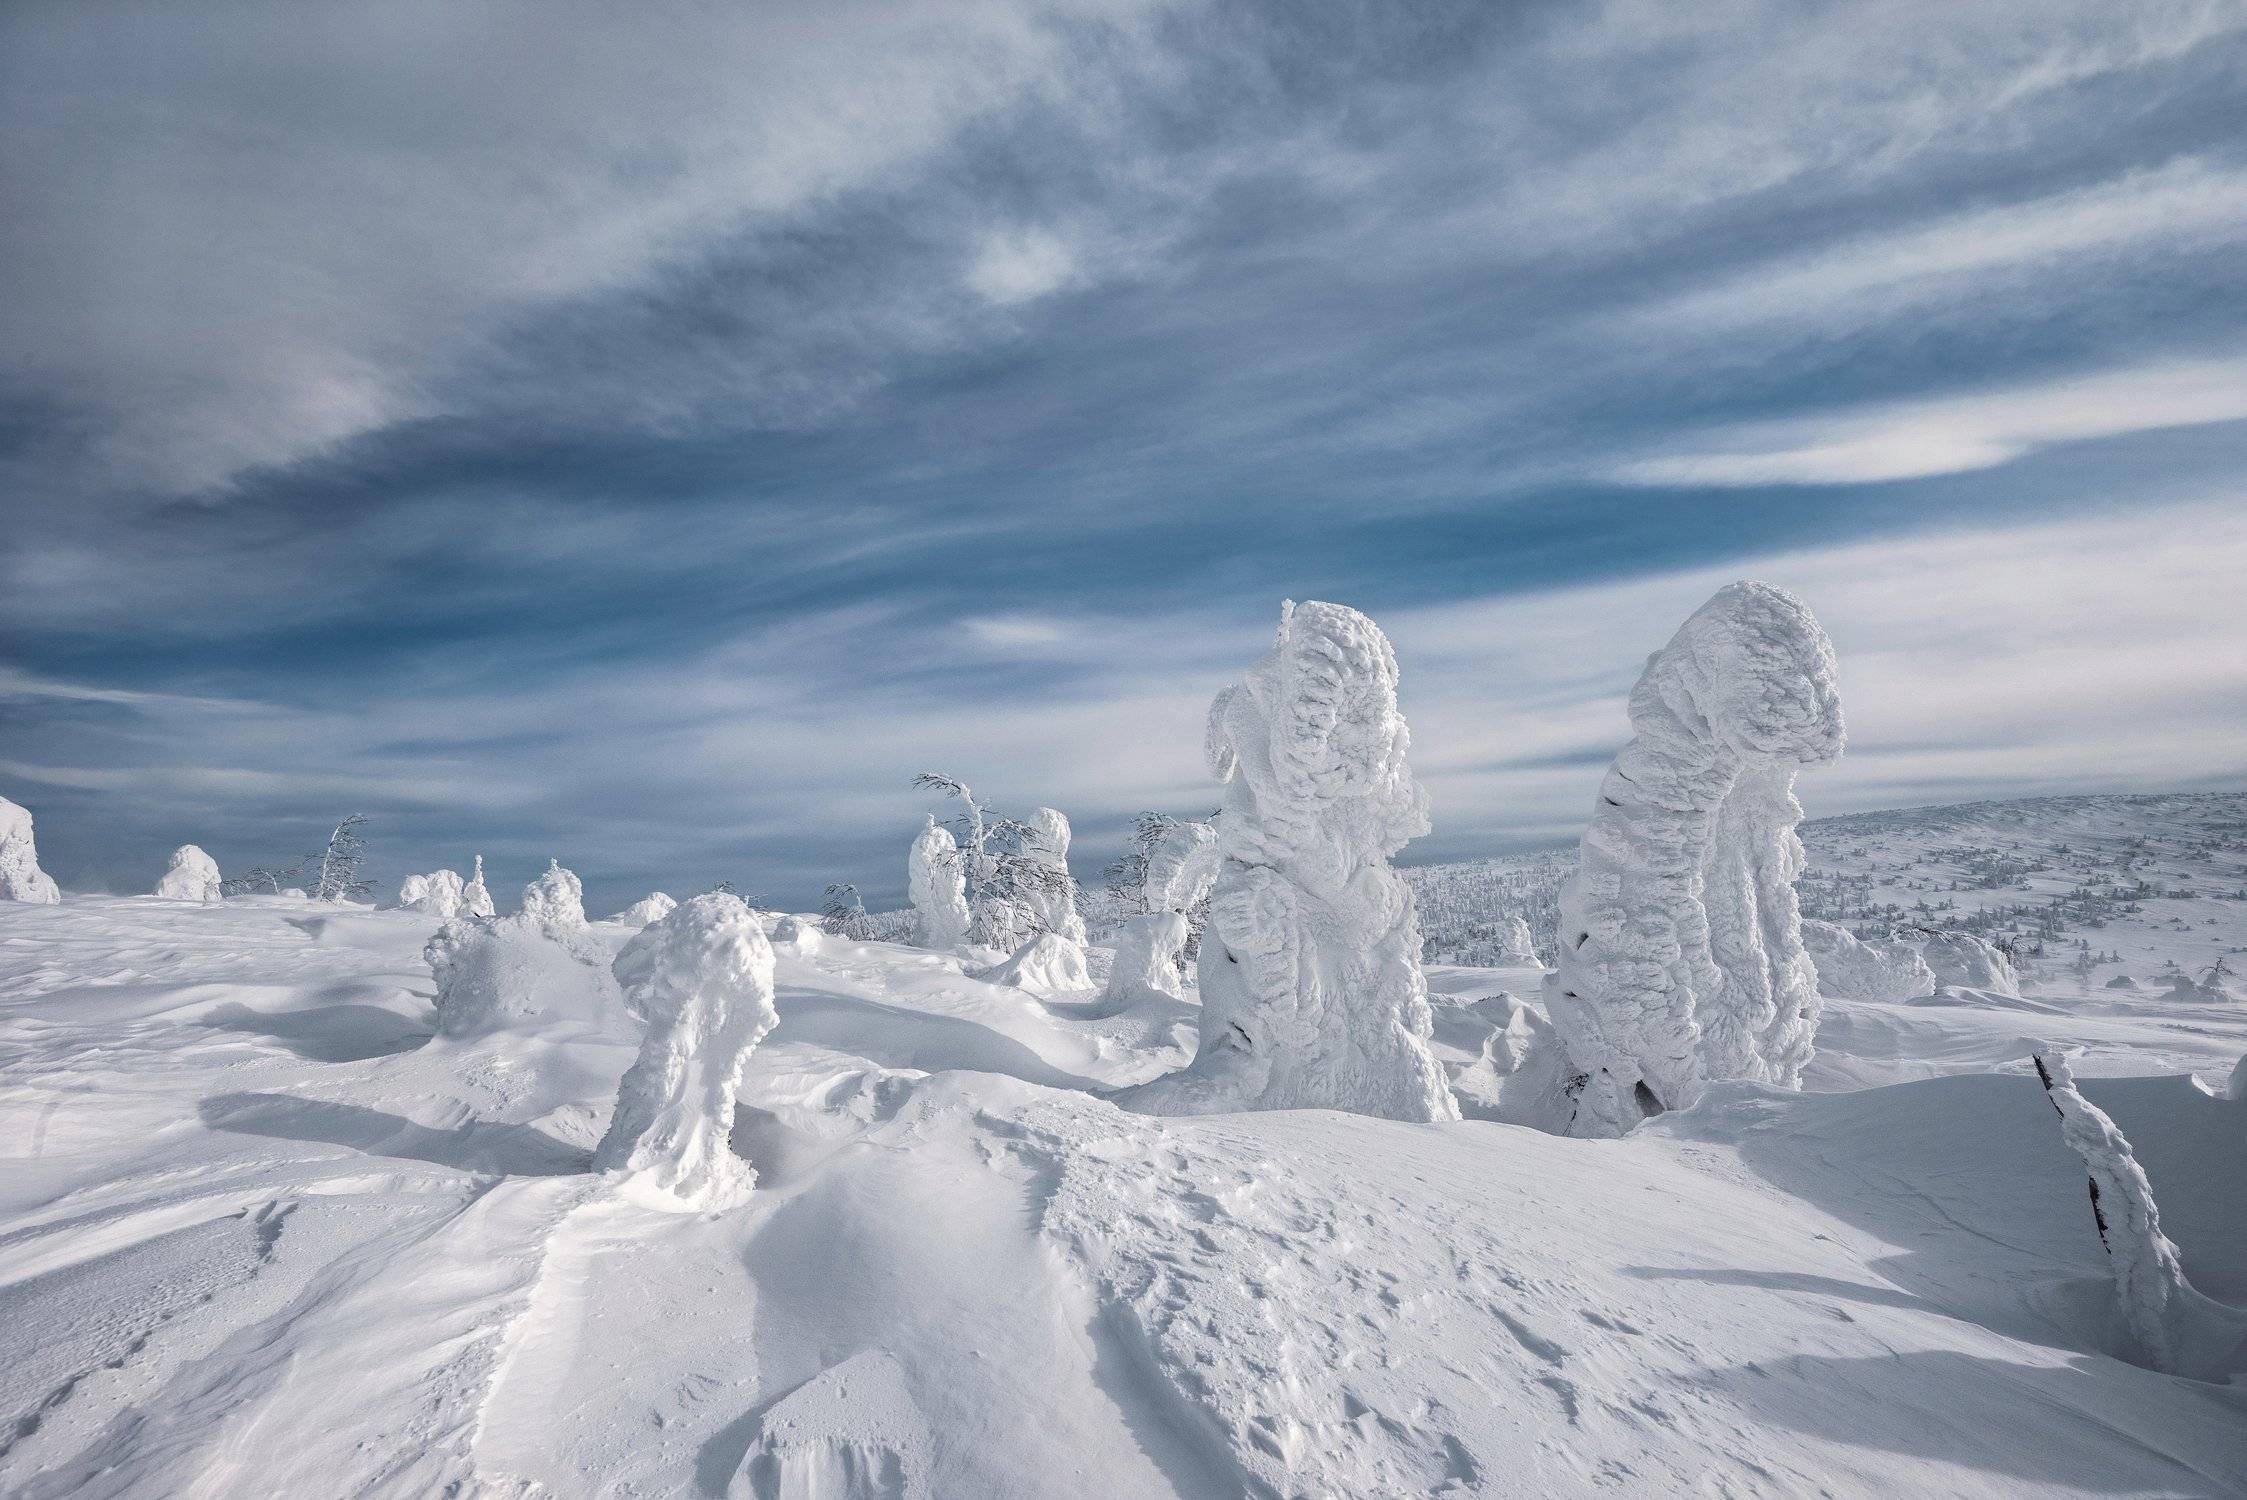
{"x": 936, "y": 878}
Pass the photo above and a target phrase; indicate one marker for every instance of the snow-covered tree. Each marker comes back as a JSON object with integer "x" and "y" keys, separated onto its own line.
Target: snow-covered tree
{"x": 701, "y": 978}
{"x": 1008, "y": 876}
{"x": 437, "y": 894}
{"x": 335, "y": 869}
{"x": 476, "y": 897}
{"x": 191, "y": 876}
{"x": 1052, "y": 899}
{"x": 1648, "y": 1006}
{"x": 936, "y": 878}
{"x": 1961, "y": 958}
{"x": 1877, "y": 968}
{"x": 653, "y": 907}
{"x": 1311, "y": 990}
{"x": 556, "y": 899}
{"x": 21, "y": 879}
{"x": 843, "y": 915}
{"x": 1146, "y": 962}
{"x": 1168, "y": 865}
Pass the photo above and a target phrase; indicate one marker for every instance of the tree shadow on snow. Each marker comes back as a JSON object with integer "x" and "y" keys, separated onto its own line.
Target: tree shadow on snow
{"x": 329, "y": 1033}
{"x": 477, "y": 1146}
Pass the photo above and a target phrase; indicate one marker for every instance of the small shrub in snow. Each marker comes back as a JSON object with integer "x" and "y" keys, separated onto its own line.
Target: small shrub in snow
{"x": 21, "y": 879}
{"x": 1009, "y": 870}
{"x": 936, "y": 878}
{"x": 844, "y": 915}
{"x": 702, "y": 980}
{"x": 1311, "y": 990}
{"x": 1680, "y": 947}
{"x": 335, "y": 869}
{"x": 191, "y": 876}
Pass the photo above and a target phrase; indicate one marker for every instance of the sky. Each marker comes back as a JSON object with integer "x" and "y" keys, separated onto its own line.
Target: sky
{"x": 647, "y": 436}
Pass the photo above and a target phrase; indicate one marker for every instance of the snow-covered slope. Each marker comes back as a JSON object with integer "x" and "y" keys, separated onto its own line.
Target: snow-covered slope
{"x": 262, "y": 1234}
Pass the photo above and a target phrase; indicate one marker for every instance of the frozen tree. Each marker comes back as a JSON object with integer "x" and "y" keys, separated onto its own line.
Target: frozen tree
{"x": 515, "y": 972}
{"x": 438, "y": 894}
{"x": 21, "y": 879}
{"x": 1168, "y": 865}
{"x": 191, "y": 876}
{"x": 1311, "y": 990}
{"x": 1961, "y": 958}
{"x": 2178, "y": 1330}
{"x": 258, "y": 880}
{"x": 476, "y": 897}
{"x": 412, "y": 892}
{"x": 937, "y": 881}
{"x": 653, "y": 907}
{"x": 1008, "y": 877}
{"x": 1052, "y": 898}
{"x": 1648, "y": 1006}
{"x": 1146, "y": 963}
{"x": 556, "y": 899}
{"x": 843, "y": 915}
{"x": 702, "y": 980}
{"x": 1855, "y": 968}
{"x": 335, "y": 869}
{"x": 1048, "y": 964}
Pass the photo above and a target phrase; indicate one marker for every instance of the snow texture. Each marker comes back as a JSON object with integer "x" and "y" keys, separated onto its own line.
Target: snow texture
{"x": 1681, "y": 954}
{"x": 556, "y": 900}
{"x": 936, "y": 877}
{"x": 438, "y": 893}
{"x": 1181, "y": 867}
{"x": 802, "y": 936}
{"x": 1960, "y": 958}
{"x": 191, "y": 876}
{"x": 1048, "y": 964}
{"x": 1311, "y": 990}
{"x": 1855, "y": 968}
{"x": 412, "y": 892}
{"x": 1053, "y": 907}
{"x": 516, "y": 972}
{"x": 653, "y": 907}
{"x": 476, "y": 897}
{"x": 1146, "y": 962}
{"x": 702, "y": 980}
{"x": 21, "y": 879}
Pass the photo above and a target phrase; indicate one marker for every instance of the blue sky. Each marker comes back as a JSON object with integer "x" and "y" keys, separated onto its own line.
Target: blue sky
{"x": 648, "y": 437}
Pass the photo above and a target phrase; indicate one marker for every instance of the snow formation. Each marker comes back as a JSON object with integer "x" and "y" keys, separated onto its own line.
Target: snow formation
{"x": 653, "y": 907}
{"x": 556, "y": 899}
{"x": 701, "y": 978}
{"x": 1048, "y": 964}
{"x": 1854, "y": 968}
{"x": 476, "y": 897}
{"x": 1053, "y": 906}
{"x": 412, "y": 892}
{"x": 1312, "y": 995}
{"x": 21, "y": 879}
{"x": 1681, "y": 953}
{"x": 191, "y": 876}
{"x": 537, "y": 966}
{"x": 1146, "y": 963}
{"x": 1181, "y": 867}
{"x": 1961, "y": 958}
{"x": 937, "y": 880}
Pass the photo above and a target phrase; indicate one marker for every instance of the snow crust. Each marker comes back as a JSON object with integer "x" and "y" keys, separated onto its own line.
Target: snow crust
{"x": 653, "y": 907}
{"x": 1311, "y": 989}
{"x": 21, "y": 879}
{"x": 1681, "y": 955}
{"x": 936, "y": 881}
{"x": 701, "y": 979}
{"x": 192, "y": 875}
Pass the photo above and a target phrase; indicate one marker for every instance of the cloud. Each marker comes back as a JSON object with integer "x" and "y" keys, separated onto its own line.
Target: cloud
{"x": 1954, "y": 435}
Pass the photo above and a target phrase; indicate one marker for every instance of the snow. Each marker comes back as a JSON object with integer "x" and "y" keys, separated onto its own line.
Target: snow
{"x": 936, "y": 880}
{"x": 1309, "y": 970}
{"x": 1048, "y": 964}
{"x": 1146, "y": 960}
{"x": 192, "y": 875}
{"x": 440, "y": 894}
{"x": 262, "y": 1234}
{"x": 556, "y": 900}
{"x": 653, "y": 907}
{"x": 21, "y": 879}
{"x": 1182, "y": 866}
{"x": 1961, "y": 958}
{"x": 700, "y": 979}
{"x": 475, "y": 897}
{"x": 1680, "y": 952}
{"x": 1880, "y": 968}
{"x": 1053, "y": 908}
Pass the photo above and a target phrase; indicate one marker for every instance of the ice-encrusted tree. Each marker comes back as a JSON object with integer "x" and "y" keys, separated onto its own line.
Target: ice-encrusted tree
{"x": 653, "y": 907}
{"x": 556, "y": 898}
{"x": 1008, "y": 876}
{"x": 936, "y": 879}
{"x": 702, "y": 981}
{"x": 1875, "y": 968}
{"x": 476, "y": 897}
{"x": 192, "y": 875}
{"x": 335, "y": 869}
{"x": 1311, "y": 990}
{"x": 21, "y": 879}
{"x": 1649, "y": 1001}
{"x": 842, "y": 914}
{"x": 438, "y": 894}
{"x": 1052, "y": 898}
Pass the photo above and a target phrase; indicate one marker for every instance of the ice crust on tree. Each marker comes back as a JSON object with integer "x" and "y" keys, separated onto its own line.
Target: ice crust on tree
{"x": 1312, "y": 995}
{"x": 936, "y": 878}
{"x": 21, "y": 879}
{"x": 191, "y": 876}
{"x": 1053, "y": 906}
{"x": 653, "y": 907}
{"x": 1048, "y": 964}
{"x": 701, "y": 979}
{"x": 1963, "y": 959}
{"x": 1680, "y": 955}
{"x": 439, "y": 894}
{"x": 476, "y": 897}
{"x": 1855, "y": 968}
{"x": 1181, "y": 867}
{"x": 1146, "y": 962}
{"x": 556, "y": 899}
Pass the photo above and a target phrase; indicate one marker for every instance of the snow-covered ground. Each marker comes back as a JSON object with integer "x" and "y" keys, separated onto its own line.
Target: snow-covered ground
{"x": 262, "y": 1234}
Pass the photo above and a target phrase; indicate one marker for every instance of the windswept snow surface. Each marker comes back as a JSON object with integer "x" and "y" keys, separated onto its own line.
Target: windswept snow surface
{"x": 260, "y": 1235}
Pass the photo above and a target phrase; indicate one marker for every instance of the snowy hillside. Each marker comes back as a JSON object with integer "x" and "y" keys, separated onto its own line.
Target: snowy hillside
{"x": 262, "y": 1232}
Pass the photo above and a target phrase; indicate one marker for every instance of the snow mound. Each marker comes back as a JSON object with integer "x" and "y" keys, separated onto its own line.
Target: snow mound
{"x": 1311, "y": 990}
{"x": 851, "y": 1432}
{"x": 1681, "y": 953}
{"x": 1857, "y": 968}
{"x": 936, "y": 878}
{"x": 1048, "y": 964}
{"x": 653, "y": 907}
{"x": 702, "y": 981}
{"x": 801, "y": 936}
{"x": 1960, "y": 958}
{"x": 191, "y": 876}
{"x": 556, "y": 899}
{"x": 515, "y": 972}
{"x": 21, "y": 879}
{"x": 1146, "y": 962}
